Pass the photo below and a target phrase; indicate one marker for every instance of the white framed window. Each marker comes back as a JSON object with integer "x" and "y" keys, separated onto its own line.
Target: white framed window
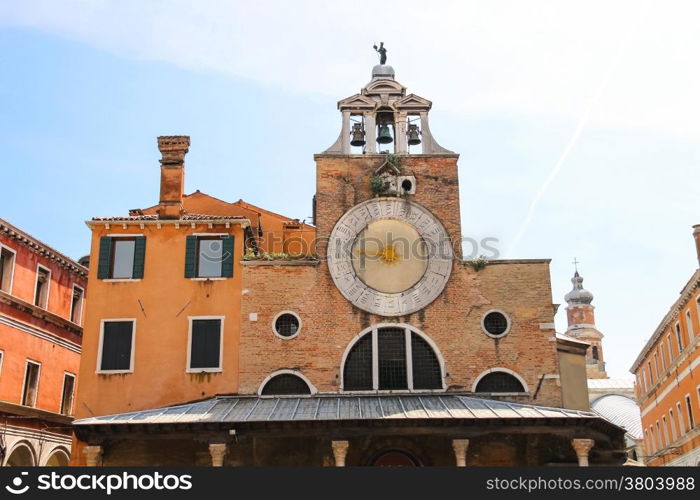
{"x": 67, "y": 393}
{"x": 8, "y": 256}
{"x": 689, "y": 325}
{"x": 670, "y": 348}
{"x": 659, "y": 435}
{"x": 392, "y": 357}
{"x": 679, "y": 338}
{"x": 30, "y": 386}
{"x": 500, "y": 381}
{"x": 667, "y": 438}
{"x": 663, "y": 356}
{"x": 286, "y": 325}
{"x": 205, "y": 344}
{"x": 209, "y": 256}
{"x": 689, "y": 408}
{"x": 76, "y": 304}
{"x": 681, "y": 420}
{"x": 651, "y": 374}
{"x": 42, "y": 286}
{"x": 495, "y": 323}
{"x": 116, "y": 347}
{"x": 286, "y": 383}
{"x": 656, "y": 366}
{"x": 121, "y": 257}
{"x": 646, "y": 380}
{"x": 2, "y": 358}
{"x": 673, "y": 424}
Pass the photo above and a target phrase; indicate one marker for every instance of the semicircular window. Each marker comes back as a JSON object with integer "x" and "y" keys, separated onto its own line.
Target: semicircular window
{"x": 499, "y": 382}
{"x": 394, "y": 363}
{"x": 285, "y": 384}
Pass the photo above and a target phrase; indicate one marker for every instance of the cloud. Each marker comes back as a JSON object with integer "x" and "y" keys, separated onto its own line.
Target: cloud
{"x": 470, "y": 58}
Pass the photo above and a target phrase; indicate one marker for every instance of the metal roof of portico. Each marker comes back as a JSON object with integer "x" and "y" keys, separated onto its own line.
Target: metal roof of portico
{"x": 317, "y": 408}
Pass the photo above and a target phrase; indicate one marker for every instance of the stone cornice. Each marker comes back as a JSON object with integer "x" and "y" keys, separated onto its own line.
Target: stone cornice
{"x": 41, "y": 248}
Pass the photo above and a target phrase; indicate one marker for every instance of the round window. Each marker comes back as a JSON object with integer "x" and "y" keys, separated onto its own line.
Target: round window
{"x": 287, "y": 325}
{"x": 496, "y": 323}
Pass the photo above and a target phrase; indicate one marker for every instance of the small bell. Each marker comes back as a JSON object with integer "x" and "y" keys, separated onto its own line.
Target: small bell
{"x": 384, "y": 136}
{"x": 413, "y": 135}
{"x": 358, "y": 135}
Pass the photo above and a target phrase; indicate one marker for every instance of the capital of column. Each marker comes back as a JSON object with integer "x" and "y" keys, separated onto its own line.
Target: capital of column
{"x": 340, "y": 450}
{"x": 582, "y": 447}
{"x": 460, "y": 447}
{"x": 218, "y": 452}
{"x": 93, "y": 455}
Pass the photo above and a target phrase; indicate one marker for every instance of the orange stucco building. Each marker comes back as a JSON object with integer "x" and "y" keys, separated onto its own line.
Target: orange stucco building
{"x": 667, "y": 381}
{"x": 42, "y": 295}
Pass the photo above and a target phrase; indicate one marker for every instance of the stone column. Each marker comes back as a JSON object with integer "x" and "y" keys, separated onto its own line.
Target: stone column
{"x": 340, "y": 449}
{"x": 370, "y": 132}
{"x": 401, "y": 129}
{"x": 93, "y": 455}
{"x": 218, "y": 452}
{"x": 345, "y": 133}
{"x": 582, "y": 448}
{"x": 460, "y": 447}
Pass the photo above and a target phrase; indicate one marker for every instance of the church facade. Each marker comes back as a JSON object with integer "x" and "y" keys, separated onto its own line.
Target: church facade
{"x": 376, "y": 345}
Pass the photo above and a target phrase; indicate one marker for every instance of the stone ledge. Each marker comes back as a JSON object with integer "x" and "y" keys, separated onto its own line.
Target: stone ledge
{"x": 254, "y": 263}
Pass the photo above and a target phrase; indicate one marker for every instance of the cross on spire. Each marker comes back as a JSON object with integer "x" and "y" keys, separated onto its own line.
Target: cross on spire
{"x": 576, "y": 263}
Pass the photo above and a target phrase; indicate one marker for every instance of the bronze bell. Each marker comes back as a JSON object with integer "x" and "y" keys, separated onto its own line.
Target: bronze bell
{"x": 384, "y": 136}
{"x": 413, "y": 135}
{"x": 358, "y": 135}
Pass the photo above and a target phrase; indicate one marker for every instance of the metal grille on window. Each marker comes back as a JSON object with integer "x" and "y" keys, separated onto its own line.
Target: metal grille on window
{"x": 426, "y": 367}
{"x": 357, "y": 375}
{"x": 285, "y": 384}
{"x": 499, "y": 382}
{"x": 392, "y": 358}
{"x": 287, "y": 325}
{"x": 495, "y": 323}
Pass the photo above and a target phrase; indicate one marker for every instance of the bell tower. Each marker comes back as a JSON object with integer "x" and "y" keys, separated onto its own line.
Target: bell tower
{"x": 581, "y": 321}
{"x": 382, "y": 118}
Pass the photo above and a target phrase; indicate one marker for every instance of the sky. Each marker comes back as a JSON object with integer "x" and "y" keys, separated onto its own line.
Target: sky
{"x": 576, "y": 121}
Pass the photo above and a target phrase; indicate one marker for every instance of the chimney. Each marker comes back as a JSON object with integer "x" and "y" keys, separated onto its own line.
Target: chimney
{"x": 173, "y": 149}
{"x": 696, "y": 234}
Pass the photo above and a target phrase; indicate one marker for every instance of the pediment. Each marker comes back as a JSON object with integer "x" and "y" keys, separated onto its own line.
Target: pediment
{"x": 387, "y": 168}
{"x": 357, "y": 101}
{"x": 384, "y": 87}
{"x": 412, "y": 101}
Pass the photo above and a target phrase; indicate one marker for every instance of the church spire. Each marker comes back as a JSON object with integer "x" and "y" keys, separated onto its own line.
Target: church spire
{"x": 581, "y": 325}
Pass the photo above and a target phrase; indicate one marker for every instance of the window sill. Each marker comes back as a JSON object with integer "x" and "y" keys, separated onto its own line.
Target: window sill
{"x": 120, "y": 280}
{"x": 204, "y": 370}
{"x": 113, "y": 372}
{"x": 214, "y": 278}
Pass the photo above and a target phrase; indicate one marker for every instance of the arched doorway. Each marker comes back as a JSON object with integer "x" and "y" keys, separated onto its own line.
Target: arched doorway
{"x": 395, "y": 458}
{"x": 21, "y": 456}
{"x": 58, "y": 458}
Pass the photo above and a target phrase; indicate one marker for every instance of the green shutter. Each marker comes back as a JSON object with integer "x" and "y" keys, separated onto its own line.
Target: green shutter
{"x": 139, "y": 255}
{"x": 227, "y": 256}
{"x": 190, "y": 256}
{"x": 104, "y": 262}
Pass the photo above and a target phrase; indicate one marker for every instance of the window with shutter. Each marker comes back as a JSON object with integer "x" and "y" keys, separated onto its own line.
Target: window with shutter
{"x": 205, "y": 344}
{"x": 209, "y": 256}
{"x": 121, "y": 257}
{"x": 31, "y": 383}
{"x": 117, "y": 345}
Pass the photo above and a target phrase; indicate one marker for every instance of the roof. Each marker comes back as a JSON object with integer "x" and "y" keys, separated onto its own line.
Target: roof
{"x": 42, "y": 248}
{"x": 244, "y": 409}
{"x": 670, "y": 316}
{"x": 611, "y": 383}
{"x": 621, "y": 411}
{"x": 187, "y": 217}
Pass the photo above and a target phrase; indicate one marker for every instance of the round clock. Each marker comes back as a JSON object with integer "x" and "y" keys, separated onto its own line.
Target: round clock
{"x": 389, "y": 256}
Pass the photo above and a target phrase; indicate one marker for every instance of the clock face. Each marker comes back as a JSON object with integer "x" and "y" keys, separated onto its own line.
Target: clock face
{"x": 389, "y": 256}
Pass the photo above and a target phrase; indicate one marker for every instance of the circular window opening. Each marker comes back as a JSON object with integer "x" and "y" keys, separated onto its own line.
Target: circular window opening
{"x": 496, "y": 323}
{"x": 287, "y": 325}
{"x": 406, "y": 185}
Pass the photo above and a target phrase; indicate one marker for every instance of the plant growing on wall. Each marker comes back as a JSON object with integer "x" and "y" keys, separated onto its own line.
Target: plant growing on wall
{"x": 479, "y": 263}
{"x": 395, "y": 160}
{"x": 376, "y": 184}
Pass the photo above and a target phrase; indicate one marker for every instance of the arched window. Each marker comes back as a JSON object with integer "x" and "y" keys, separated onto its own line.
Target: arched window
{"x": 499, "y": 382}
{"x": 594, "y": 354}
{"x": 395, "y": 357}
{"x": 21, "y": 456}
{"x": 285, "y": 384}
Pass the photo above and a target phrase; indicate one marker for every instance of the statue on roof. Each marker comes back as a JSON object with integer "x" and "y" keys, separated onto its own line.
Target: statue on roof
{"x": 382, "y": 52}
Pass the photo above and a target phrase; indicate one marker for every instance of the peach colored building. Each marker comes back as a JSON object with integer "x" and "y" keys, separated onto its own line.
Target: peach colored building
{"x": 42, "y": 300}
{"x": 667, "y": 381}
